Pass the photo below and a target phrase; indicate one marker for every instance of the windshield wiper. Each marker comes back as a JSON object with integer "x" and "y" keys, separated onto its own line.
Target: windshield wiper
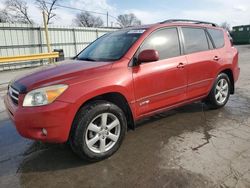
{"x": 86, "y": 59}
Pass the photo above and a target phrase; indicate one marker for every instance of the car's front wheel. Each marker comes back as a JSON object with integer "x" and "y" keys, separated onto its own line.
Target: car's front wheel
{"x": 98, "y": 130}
{"x": 220, "y": 92}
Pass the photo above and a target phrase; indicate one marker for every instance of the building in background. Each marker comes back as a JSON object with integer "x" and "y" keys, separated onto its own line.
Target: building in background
{"x": 241, "y": 34}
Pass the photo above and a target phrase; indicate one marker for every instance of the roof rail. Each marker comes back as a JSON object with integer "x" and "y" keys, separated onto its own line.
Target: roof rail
{"x": 191, "y": 21}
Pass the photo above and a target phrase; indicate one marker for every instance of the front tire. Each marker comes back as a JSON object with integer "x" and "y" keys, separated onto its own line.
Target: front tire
{"x": 98, "y": 130}
{"x": 220, "y": 92}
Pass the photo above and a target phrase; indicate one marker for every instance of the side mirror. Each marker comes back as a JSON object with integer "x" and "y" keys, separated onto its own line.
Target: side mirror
{"x": 148, "y": 56}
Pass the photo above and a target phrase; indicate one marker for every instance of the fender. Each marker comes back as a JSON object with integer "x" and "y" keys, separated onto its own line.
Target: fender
{"x": 98, "y": 91}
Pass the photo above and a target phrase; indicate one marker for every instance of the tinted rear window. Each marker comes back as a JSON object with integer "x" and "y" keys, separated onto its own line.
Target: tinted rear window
{"x": 195, "y": 40}
{"x": 218, "y": 37}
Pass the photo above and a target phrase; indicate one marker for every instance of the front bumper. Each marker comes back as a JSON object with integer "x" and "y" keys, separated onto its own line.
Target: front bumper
{"x": 56, "y": 118}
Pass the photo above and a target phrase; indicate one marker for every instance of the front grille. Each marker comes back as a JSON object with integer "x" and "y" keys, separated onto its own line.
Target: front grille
{"x": 14, "y": 94}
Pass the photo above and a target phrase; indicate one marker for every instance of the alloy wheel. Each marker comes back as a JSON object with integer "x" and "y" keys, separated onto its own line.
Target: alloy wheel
{"x": 103, "y": 132}
{"x": 221, "y": 91}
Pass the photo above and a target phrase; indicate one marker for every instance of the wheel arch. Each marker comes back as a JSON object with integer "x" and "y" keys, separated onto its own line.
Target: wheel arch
{"x": 119, "y": 100}
{"x": 229, "y": 73}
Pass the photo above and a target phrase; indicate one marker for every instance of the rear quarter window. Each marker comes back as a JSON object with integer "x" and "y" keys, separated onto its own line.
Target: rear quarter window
{"x": 217, "y": 37}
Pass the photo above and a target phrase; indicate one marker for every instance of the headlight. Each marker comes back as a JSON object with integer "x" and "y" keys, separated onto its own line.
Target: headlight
{"x": 43, "y": 96}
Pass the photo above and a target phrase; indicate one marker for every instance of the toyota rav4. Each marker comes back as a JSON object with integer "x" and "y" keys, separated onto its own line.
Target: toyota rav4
{"x": 123, "y": 76}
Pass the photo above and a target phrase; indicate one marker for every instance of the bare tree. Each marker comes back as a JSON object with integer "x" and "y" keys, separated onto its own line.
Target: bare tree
{"x": 126, "y": 20}
{"x": 85, "y": 19}
{"x": 48, "y": 6}
{"x": 17, "y": 11}
{"x": 4, "y": 16}
{"x": 226, "y": 26}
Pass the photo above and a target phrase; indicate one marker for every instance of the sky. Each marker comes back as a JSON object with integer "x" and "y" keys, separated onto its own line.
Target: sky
{"x": 235, "y": 12}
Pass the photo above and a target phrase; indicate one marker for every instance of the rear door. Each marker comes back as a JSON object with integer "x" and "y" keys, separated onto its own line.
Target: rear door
{"x": 161, "y": 83}
{"x": 202, "y": 61}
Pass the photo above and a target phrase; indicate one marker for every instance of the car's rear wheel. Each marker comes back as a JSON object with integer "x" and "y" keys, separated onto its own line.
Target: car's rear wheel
{"x": 98, "y": 130}
{"x": 220, "y": 92}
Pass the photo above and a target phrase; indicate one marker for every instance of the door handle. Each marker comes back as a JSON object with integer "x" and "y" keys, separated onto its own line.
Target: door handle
{"x": 180, "y": 65}
{"x": 216, "y": 58}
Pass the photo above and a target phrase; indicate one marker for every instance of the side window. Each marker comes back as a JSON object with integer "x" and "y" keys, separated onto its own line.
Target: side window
{"x": 195, "y": 40}
{"x": 165, "y": 41}
{"x": 218, "y": 37}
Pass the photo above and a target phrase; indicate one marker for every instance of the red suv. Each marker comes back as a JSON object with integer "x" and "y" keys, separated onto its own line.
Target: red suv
{"x": 120, "y": 78}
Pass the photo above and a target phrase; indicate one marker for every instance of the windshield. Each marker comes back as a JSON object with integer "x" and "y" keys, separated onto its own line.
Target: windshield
{"x": 110, "y": 47}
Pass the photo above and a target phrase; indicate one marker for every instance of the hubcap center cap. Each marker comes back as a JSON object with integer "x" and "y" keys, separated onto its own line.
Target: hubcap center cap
{"x": 103, "y": 133}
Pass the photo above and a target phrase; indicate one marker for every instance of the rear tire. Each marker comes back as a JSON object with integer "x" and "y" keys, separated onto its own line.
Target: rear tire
{"x": 220, "y": 92}
{"x": 98, "y": 130}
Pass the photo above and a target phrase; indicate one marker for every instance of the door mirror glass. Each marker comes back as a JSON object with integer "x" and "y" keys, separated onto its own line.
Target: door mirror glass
{"x": 148, "y": 56}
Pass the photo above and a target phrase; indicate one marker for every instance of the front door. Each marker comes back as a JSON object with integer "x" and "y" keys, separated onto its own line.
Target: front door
{"x": 162, "y": 83}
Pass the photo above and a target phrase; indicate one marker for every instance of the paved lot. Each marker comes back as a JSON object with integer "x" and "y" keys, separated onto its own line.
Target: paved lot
{"x": 190, "y": 147}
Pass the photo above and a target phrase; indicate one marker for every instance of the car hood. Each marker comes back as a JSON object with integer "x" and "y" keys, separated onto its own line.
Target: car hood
{"x": 63, "y": 72}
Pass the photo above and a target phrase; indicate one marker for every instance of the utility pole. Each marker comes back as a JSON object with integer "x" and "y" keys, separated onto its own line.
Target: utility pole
{"x": 46, "y": 33}
{"x": 107, "y": 19}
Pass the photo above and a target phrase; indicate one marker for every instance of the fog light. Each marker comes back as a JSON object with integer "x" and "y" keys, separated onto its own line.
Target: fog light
{"x": 44, "y": 132}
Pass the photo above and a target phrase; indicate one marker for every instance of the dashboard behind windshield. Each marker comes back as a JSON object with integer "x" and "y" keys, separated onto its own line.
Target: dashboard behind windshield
{"x": 111, "y": 46}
